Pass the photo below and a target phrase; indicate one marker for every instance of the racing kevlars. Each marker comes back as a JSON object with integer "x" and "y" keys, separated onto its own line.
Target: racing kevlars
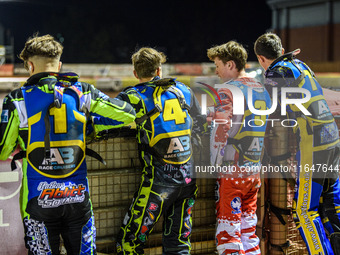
{"x": 47, "y": 118}
{"x": 236, "y": 142}
{"x": 166, "y": 112}
{"x": 317, "y": 197}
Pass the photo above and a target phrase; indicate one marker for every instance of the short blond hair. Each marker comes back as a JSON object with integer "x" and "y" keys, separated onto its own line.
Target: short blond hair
{"x": 146, "y": 61}
{"x": 229, "y": 51}
{"x": 43, "y": 46}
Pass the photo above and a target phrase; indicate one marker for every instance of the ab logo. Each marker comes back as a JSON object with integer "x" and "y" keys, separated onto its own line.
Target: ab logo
{"x": 256, "y": 144}
{"x": 323, "y": 107}
{"x": 179, "y": 144}
{"x": 61, "y": 162}
{"x": 60, "y": 156}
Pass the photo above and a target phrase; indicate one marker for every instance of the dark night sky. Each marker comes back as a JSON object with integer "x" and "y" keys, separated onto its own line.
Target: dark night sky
{"x": 110, "y": 31}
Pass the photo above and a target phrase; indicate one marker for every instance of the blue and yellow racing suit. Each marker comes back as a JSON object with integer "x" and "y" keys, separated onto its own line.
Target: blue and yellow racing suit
{"x": 166, "y": 111}
{"x": 47, "y": 118}
{"x": 317, "y": 196}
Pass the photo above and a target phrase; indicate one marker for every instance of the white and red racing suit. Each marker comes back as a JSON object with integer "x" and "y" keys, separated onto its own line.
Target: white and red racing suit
{"x": 236, "y": 144}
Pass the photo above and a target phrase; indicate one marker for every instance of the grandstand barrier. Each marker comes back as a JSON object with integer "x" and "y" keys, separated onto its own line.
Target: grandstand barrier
{"x": 6, "y": 69}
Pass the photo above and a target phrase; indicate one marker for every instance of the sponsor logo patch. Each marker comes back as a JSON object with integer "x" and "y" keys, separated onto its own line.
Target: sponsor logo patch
{"x": 236, "y": 205}
{"x": 55, "y": 194}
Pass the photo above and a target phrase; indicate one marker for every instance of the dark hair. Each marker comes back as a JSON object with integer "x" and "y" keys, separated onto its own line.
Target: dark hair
{"x": 268, "y": 45}
{"x": 229, "y": 51}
